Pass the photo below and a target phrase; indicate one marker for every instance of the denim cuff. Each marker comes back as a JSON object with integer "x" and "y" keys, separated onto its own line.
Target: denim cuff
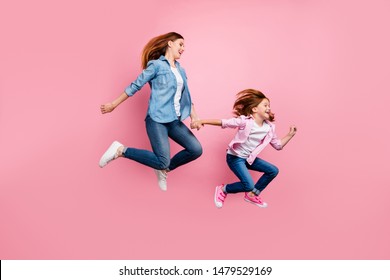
{"x": 256, "y": 191}
{"x": 124, "y": 150}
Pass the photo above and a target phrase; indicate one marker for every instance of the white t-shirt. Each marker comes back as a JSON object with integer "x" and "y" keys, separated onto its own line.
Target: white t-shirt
{"x": 179, "y": 90}
{"x": 255, "y": 137}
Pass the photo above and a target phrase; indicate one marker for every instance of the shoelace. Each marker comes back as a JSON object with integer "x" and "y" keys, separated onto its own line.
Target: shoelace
{"x": 258, "y": 200}
{"x": 161, "y": 174}
{"x": 254, "y": 198}
{"x": 222, "y": 196}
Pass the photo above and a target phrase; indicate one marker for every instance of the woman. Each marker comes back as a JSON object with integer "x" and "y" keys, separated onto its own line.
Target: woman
{"x": 169, "y": 104}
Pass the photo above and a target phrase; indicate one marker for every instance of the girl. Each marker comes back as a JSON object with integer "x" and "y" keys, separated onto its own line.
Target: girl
{"x": 255, "y": 132}
{"x": 169, "y": 104}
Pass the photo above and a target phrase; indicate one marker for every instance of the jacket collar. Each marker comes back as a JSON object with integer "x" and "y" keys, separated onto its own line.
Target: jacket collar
{"x": 163, "y": 58}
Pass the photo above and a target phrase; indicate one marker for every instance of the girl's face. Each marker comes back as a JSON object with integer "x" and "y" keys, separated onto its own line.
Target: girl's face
{"x": 263, "y": 109}
{"x": 176, "y": 47}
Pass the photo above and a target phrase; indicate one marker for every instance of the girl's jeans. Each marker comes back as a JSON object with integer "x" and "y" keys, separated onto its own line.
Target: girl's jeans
{"x": 158, "y": 136}
{"x": 241, "y": 167}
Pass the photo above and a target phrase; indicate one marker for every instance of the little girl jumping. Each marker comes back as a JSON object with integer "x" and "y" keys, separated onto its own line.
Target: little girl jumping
{"x": 255, "y": 131}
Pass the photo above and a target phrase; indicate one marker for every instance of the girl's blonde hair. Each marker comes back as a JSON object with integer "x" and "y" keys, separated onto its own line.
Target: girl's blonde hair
{"x": 247, "y": 100}
{"x": 157, "y": 46}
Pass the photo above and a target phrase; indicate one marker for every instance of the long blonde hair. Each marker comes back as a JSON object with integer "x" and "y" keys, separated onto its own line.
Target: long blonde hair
{"x": 246, "y": 100}
{"x": 157, "y": 46}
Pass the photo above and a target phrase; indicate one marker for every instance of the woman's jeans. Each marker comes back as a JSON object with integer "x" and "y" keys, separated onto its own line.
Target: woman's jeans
{"x": 241, "y": 167}
{"x": 160, "y": 158}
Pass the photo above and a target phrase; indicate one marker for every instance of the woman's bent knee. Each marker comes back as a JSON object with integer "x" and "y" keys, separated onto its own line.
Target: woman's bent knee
{"x": 163, "y": 164}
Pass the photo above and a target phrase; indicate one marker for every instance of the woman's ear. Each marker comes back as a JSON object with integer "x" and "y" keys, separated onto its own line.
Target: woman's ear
{"x": 170, "y": 43}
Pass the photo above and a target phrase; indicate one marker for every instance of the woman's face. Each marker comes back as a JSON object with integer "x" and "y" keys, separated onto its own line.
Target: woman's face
{"x": 177, "y": 48}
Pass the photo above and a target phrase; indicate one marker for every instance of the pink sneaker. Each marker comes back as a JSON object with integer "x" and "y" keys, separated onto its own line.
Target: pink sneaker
{"x": 219, "y": 196}
{"x": 255, "y": 200}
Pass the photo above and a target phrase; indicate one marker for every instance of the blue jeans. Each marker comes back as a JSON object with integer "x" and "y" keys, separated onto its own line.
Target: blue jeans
{"x": 160, "y": 158}
{"x": 241, "y": 167}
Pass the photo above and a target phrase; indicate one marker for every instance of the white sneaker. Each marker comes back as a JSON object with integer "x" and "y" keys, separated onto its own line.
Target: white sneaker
{"x": 162, "y": 179}
{"x": 110, "y": 154}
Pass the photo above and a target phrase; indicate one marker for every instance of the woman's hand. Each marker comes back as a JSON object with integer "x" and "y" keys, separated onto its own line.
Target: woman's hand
{"x": 196, "y": 124}
{"x": 107, "y": 108}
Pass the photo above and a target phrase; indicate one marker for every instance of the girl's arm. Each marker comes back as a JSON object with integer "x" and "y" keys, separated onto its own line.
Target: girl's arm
{"x": 224, "y": 123}
{"x": 209, "y": 122}
{"x": 109, "y": 107}
{"x": 289, "y": 136}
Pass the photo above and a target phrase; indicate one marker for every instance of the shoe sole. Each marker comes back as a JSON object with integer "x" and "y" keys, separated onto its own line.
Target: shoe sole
{"x": 258, "y": 205}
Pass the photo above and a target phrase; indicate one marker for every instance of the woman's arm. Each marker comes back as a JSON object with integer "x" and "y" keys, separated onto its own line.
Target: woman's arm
{"x": 193, "y": 115}
{"x": 147, "y": 74}
{"x": 194, "y": 119}
{"x": 109, "y": 107}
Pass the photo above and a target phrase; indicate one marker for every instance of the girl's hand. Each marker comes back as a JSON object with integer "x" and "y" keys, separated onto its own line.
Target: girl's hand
{"x": 196, "y": 124}
{"x": 107, "y": 108}
{"x": 293, "y": 130}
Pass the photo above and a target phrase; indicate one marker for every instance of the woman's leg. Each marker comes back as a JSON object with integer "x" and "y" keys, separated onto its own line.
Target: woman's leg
{"x": 158, "y": 136}
{"x": 180, "y": 133}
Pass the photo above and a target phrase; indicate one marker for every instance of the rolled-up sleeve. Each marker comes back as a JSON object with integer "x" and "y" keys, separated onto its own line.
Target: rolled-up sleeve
{"x": 147, "y": 74}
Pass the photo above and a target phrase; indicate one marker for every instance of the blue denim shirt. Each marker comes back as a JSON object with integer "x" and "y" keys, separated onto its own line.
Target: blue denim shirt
{"x": 163, "y": 83}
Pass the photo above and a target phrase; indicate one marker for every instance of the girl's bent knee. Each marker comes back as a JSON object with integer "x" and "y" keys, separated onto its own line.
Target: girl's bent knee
{"x": 274, "y": 172}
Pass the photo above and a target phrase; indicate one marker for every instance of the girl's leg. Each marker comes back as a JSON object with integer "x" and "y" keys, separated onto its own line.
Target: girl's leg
{"x": 270, "y": 172}
{"x": 180, "y": 133}
{"x": 239, "y": 167}
{"x": 158, "y": 136}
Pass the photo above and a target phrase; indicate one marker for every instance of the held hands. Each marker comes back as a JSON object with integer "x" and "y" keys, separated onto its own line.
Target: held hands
{"x": 107, "y": 108}
{"x": 196, "y": 124}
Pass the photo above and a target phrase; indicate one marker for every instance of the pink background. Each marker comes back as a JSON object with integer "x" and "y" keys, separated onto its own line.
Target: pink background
{"x": 324, "y": 65}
